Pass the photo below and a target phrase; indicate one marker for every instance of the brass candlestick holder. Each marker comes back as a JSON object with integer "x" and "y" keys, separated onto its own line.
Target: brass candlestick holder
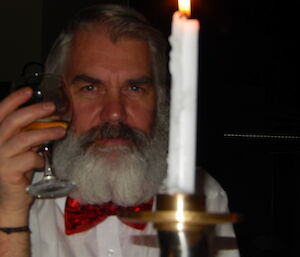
{"x": 181, "y": 222}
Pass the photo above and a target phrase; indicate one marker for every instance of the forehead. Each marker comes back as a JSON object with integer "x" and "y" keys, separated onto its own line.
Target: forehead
{"x": 93, "y": 46}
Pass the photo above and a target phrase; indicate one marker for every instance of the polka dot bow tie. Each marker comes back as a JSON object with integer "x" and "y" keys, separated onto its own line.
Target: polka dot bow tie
{"x": 79, "y": 218}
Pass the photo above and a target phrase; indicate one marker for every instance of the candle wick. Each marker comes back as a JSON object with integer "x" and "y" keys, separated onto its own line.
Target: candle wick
{"x": 184, "y": 15}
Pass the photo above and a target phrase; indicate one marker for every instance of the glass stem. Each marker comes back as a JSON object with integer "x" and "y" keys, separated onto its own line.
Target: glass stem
{"x": 47, "y": 153}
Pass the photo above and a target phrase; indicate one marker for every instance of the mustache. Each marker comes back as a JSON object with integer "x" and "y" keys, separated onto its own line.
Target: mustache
{"x": 114, "y": 131}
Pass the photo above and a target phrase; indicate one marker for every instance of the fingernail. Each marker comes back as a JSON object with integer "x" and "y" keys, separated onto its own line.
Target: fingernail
{"x": 60, "y": 130}
{"x": 25, "y": 91}
{"x": 48, "y": 106}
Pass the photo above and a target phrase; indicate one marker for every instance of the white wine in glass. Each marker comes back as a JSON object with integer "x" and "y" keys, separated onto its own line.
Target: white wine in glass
{"x": 49, "y": 88}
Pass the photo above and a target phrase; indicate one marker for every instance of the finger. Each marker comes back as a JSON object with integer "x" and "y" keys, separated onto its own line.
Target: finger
{"x": 16, "y": 174}
{"x": 19, "y": 119}
{"x": 29, "y": 175}
{"x": 28, "y": 140}
{"x": 13, "y": 101}
{"x": 14, "y": 170}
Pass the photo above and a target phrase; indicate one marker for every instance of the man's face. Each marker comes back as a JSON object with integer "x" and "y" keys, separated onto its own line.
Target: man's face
{"x": 110, "y": 83}
{"x": 113, "y": 152}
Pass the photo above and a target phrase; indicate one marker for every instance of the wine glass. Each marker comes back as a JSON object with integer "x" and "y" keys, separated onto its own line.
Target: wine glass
{"x": 49, "y": 88}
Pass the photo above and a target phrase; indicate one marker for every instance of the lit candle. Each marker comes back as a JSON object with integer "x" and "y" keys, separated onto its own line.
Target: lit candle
{"x": 183, "y": 114}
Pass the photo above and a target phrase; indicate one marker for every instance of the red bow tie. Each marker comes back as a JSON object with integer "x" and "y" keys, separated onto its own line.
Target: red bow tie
{"x": 79, "y": 218}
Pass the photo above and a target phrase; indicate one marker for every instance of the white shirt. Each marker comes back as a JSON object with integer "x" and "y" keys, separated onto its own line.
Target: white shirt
{"x": 111, "y": 238}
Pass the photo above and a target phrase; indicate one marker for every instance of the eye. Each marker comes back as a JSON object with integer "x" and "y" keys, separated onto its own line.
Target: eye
{"x": 135, "y": 88}
{"x": 89, "y": 88}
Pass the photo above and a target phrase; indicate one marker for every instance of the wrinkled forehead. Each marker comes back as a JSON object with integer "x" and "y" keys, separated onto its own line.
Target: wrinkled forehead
{"x": 95, "y": 48}
{"x": 112, "y": 31}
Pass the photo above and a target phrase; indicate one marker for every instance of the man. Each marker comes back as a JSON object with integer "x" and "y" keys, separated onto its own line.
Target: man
{"x": 114, "y": 68}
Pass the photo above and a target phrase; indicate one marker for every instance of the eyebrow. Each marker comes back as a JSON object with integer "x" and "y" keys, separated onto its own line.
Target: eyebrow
{"x": 141, "y": 80}
{"x": 86, "y": 78}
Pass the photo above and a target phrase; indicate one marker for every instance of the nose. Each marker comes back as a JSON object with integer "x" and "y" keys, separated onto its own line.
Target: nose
{"x": 114, "y": 110}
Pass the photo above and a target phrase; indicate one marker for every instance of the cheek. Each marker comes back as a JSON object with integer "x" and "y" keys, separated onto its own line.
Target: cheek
{"x": 142, "y": 116}
{"x": 139, "y": 114}
{"x": 84, "y": 117}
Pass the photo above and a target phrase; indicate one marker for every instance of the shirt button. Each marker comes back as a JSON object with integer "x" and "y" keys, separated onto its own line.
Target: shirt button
{"x": 110, "y": 252}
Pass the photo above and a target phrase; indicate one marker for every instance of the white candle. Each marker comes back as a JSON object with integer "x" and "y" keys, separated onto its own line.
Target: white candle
{"x": 183, "y": 114}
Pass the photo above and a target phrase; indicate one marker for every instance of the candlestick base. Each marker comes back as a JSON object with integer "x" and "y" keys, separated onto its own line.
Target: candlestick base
{"x": 181, "y": 222}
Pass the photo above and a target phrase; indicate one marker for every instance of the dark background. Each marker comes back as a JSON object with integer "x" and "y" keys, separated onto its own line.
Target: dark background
{"x": 247, "y": 85}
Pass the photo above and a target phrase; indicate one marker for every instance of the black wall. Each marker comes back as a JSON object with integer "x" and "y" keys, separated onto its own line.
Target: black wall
{"x": 247, "y": 85}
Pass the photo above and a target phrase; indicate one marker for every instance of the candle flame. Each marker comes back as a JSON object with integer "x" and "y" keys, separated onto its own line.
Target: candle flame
{"x": 184, "y": 7}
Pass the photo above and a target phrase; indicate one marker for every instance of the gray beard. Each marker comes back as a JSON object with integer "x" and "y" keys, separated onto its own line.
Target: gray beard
{"x": 125, "y": 175}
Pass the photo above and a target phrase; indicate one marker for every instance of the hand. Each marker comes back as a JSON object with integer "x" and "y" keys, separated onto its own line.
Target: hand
{"x": 18, "y": 154}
